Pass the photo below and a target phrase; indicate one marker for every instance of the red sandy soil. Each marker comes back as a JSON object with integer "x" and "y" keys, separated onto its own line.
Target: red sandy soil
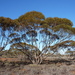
{"x": 9, "y": 59}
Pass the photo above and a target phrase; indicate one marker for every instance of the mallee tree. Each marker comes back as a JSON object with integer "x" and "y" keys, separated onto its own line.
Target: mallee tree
{"x": 36, "y": 36}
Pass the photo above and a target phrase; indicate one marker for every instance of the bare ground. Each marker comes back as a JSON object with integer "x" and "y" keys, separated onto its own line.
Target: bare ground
{"x": 49, "y": 69}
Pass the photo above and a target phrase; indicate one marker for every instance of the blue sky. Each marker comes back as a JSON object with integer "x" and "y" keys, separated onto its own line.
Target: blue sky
{"x": 50, "y": 8}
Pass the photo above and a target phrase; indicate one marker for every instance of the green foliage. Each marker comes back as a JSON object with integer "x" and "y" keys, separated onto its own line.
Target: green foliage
{"x": 65, "y": 44}
{"x": 46, "y": 32}
{"x": 13, "y": 35}
{"x": 66, "y": 28}
{"x": 6, "y": 23}
{"x": 32, "y": 32}
{"x": 31, "y": 18}
{"x": 57, "y": 21}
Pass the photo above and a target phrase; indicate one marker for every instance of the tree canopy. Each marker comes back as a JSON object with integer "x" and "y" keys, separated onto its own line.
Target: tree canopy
{"x": 35, "y": 36}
